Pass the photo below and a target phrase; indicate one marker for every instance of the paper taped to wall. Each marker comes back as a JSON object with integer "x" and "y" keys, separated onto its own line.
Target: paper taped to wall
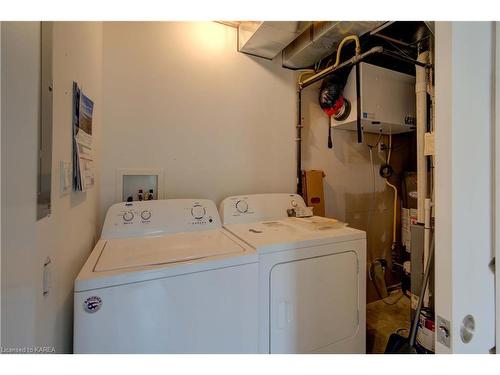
{"x": 83, "y": 160}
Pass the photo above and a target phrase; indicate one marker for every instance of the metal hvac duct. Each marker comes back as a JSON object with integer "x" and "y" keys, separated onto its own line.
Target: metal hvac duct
{"x": 268, "y": 38}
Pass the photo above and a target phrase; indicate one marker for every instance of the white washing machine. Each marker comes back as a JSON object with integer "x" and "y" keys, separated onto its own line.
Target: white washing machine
{"x": 166, "y": 278}
{"x": 311, "y": 275}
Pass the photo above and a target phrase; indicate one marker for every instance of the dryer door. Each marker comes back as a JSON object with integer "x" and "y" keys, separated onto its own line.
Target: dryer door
{"x": 314, "y": 303}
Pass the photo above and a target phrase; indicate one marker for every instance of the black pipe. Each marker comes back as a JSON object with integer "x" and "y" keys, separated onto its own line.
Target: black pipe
{"x": 397, "y": 56}
{"x": 392, "y": 40}
{"x": 358, "y": 105}
{"x": 299, "y": 143}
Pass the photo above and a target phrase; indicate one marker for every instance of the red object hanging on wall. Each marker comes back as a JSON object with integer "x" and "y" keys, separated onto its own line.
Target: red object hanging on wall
{"x": 332, "y": 111}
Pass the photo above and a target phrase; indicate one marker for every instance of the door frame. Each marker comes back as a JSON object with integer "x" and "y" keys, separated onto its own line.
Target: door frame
{"x": 464, "y": 192}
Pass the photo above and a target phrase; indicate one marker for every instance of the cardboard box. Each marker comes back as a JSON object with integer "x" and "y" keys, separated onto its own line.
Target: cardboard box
{"x": 313, "y": 194}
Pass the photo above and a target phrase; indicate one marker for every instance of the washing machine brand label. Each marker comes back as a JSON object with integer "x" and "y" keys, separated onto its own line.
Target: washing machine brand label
{"x": 92, "y": 304}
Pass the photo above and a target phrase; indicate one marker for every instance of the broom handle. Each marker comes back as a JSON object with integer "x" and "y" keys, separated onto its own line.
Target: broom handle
{"x": 425, "y": 281}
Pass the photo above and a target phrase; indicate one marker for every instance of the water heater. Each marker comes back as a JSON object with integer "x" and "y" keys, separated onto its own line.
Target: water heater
{"x": 387, "y": 101}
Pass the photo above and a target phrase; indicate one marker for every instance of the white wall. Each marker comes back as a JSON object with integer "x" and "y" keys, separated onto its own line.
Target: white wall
{"x": 464, "y": 170}
{"x": 68, "y": 235}
{"x": 20, "y": 87}
{"x": 179, "y": 97}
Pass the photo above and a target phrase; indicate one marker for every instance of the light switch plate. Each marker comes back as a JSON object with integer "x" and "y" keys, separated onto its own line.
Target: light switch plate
{"x": 65, "y": 177}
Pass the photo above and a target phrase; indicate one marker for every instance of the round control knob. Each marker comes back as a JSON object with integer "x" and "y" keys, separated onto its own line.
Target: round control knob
{"x": 242, "y": 206}
{"x": 128, "y": 216}
{"x": 145, "y": 215}
{"x": 198, "y": 212}
{"x": 293, "y": 203}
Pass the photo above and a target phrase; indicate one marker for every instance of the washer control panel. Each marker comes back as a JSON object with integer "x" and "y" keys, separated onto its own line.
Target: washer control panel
{"x": 257, "y": 207}
{"x": 156, "y": 217}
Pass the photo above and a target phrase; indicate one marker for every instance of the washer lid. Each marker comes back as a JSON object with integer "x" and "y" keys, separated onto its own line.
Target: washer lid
{"x": 149, "y": 251}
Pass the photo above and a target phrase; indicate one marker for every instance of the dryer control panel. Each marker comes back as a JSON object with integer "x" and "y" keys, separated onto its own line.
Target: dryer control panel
{"x": 157, "y": 217}
{"x": 256, "y": 207}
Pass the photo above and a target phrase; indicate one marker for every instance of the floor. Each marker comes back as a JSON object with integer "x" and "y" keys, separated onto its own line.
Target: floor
{"x": 383, "y": 319}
